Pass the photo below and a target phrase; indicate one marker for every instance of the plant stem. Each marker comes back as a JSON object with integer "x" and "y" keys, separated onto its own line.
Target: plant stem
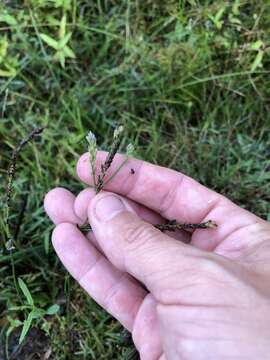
{"x": 109, "y": 159}
{"x": 171, "y": 225}
{"x": 116, "y": 171}
{"x": 11, "y": 174}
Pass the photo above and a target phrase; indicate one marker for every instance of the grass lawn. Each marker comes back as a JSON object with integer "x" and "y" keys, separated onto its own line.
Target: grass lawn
{"x": 190, "y": 81}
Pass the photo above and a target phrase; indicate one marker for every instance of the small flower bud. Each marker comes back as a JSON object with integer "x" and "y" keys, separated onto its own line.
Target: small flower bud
{"x": 129, "y": 149}
{"x": 91, "y": 138}
{"x": 118, "y": 131}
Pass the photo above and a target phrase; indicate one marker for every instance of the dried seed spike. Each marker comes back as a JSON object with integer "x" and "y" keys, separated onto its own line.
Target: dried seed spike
{"x": 12, "y": 166}
{"x": 173, "y": 225}
{"x": 92, "y": 150}
{"x": 117, "y": 137}
{"x": 11, "y": 175}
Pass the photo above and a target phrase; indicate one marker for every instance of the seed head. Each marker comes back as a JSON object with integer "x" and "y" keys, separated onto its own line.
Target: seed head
{"x": 92, "y": 147}
{"x": 92, "y": 150}
{"x": 91, "y": 138}
{"x": 210, "y": 224}
{"x": 118, "y": 131}
{"x": 129, "y": 150}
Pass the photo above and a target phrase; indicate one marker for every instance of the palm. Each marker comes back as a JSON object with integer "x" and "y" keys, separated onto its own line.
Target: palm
{"x": 154, "y": 194}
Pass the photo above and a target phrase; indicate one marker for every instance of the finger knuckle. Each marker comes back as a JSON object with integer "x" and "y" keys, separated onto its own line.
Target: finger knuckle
{"x": 137, "y": 235}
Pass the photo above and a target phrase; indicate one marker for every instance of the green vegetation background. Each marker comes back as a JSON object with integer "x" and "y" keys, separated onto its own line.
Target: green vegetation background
{"x": 190, "y": 81}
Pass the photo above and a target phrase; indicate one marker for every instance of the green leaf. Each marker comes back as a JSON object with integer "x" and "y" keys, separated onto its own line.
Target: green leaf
{"x": 62, "y": 59}
{"x": 68, "y": 52}
{"x": 26, "y": 292}
{"x": 52, "y": 310}
{"x": 14, "y": 322}
{"x": 65, "y": 4}
{"x": 20, "y": 308}
{"x": 60, "y": 56}
{"x": 38, "y": 313}
{"x": 256, "y": 45}
{"x": 220, "y": 13}
{"x": 64, "y": 41}
{"x": 7, "y": 73}
{"x": 234, "y": 20}
{"x": 47, "y": 243}
{"x": 9, "y": 331}
{"x": 26, "y": 326}
{"x": 235, "y": 8}
{"x": 217, "y": 18}
{"x": 62, "y": 30}
{"x": 8, "y": 19}
{"x": 49, "y": 41}
{"x": 3, "y": 48}
{"x": 258, "y": 61}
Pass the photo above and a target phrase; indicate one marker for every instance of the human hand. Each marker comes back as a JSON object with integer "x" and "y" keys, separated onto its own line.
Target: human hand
{"x": 209, "y": 299}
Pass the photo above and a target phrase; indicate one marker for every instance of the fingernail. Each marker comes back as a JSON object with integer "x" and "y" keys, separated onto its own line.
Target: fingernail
{"x": 107, "y": 207}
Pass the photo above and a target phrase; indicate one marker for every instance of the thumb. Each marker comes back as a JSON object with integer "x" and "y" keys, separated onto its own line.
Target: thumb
{"x": 137, "y": 247}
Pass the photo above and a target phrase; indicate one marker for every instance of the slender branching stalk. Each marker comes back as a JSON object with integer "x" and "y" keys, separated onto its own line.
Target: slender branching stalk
{"x": 11, "y": 175}
{"x": 101, "y": 181}
{"x": 129, "y": 152}
{"x": 117, "y": 137}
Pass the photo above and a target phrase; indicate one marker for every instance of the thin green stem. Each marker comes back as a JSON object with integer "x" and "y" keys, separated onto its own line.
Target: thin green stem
{"x": 110, "y": 157}
{"x": 116, "y": 171}
{"x": 93, "y": 172}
